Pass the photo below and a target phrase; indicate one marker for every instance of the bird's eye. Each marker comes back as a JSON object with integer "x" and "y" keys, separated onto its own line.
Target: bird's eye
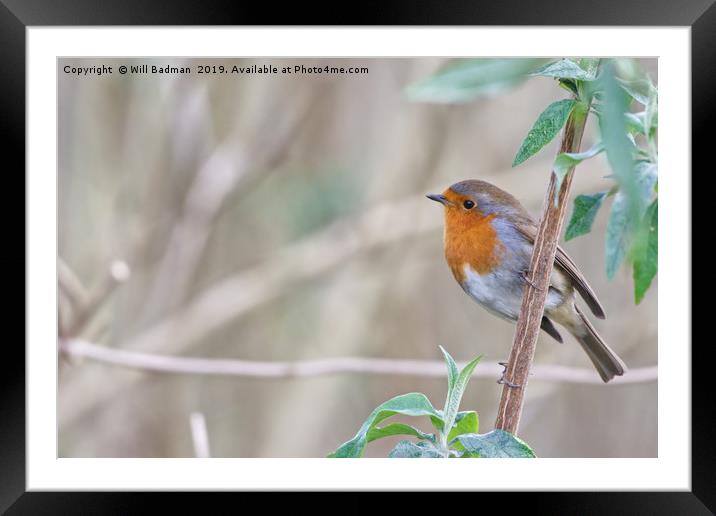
{"x": 468, "y": 205}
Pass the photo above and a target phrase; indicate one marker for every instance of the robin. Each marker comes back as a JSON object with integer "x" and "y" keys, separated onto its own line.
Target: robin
{"x": 488, "y": 241}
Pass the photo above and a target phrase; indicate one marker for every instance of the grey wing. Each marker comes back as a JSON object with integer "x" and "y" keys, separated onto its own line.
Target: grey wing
{"x": 580, "y": 283}
{"x": 529, "y": 229}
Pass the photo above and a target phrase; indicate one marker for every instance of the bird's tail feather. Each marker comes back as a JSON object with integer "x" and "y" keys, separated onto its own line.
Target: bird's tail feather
{"x": 607, "y": 363}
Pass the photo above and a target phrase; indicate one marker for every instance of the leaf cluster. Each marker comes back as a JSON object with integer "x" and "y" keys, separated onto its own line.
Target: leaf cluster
{"x": 455, "y": 432}
{"x": 625, "y": 102}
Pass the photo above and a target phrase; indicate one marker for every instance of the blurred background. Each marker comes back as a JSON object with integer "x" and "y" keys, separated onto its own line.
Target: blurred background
{"x": 282, "y": 218}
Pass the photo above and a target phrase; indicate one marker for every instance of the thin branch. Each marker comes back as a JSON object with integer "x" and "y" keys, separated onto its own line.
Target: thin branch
{"x": 199, "y": 435}
{"x": 307, "y": 368}
{"x": 536, "y": 288}
{"x": 70, "y": 284}
{"x": 118, "y": 273}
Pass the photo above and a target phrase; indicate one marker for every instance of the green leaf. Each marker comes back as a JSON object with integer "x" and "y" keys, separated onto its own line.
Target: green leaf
{"x": 411, "y": 404}
{"x": 613, "y": 126}
{"x": 617, "y": 240}
{"x": 638, "y": 89}
{"x": 646, "y": 252}
{"x": 635, "y": 122}
{"x": 583, "y": 214}
{"x": 466, "y": 80}
{"x": 466, "y": 422}
{"x": 437, "y": 421}
{"x": 495, "y": 444}
{"x": 651, "y": 115}
{"x": 566, "y": 160}
{"x": 620, "y": 151}
{"x": 590, "y": 65}
{"x": 569, "y": 85}
{"x": 643, "y": 122}
{"x": 392, "y": 429}
{"x": 565, "y": 69}
{"x": 625, "y": 217}
{"x": 547, "y": 126}
{"x": 452, "y": 404}
{"x": 628, "y": 69}
{"x": 646, "y": 176}
{"x": 411, "y": 450}
{"x": 452, "y": 369}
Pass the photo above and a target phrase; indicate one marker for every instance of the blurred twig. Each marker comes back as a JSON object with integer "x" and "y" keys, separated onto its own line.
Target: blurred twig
{"x": 309, "y": 257}
{"x": 70, "y": 284}
{"x": 119, "y": 272}
{"x": 231, "y": 165}
{"x": 199, "y": 435}
{"x": 304, "y": 368}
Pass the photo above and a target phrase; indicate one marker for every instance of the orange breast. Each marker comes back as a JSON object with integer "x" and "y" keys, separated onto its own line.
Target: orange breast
{"x": 471, "y": 239}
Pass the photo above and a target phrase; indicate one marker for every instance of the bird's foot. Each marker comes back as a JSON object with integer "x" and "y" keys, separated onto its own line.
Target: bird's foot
{"x": 526, "y": 279}
{"x": 503, "y": 380}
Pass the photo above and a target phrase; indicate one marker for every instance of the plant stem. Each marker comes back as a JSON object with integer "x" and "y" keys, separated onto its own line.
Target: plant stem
{"x": 535, "y": 292}
{"x": 444, "y": 448}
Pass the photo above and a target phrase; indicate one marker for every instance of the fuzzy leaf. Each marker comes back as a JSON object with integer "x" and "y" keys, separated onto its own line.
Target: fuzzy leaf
{"x": 437, "y": 421}
{"x": 612, "y": 125}
{"x": 635, "y": 122}
{"x": 411, "y": 450}
{"x": 466, "y": 422}
{"x": 651, "y": 115}
{"x": 583, "y": 214}
{"x": 638, "y": 89}
{"x": 452, "y": 404}
{"x": 466, "y": 80}
{"x": 392, "y": 429}
{"x": 411, "y": 404}
{"x": 590, "y": 65}
{"x": 646, "y": 252}
{"x": 565, "y": 69}
{"x": 620, "y": 153}
{"x": 452, "y": 369}
{"x": 495, "y": 444}
{"x": 547, "y": 126}
{"x": 617, "y": 240}
{"x": 566, "y": 160}
{"x": 569, "y": 85}
{"x": 645, "y": 173}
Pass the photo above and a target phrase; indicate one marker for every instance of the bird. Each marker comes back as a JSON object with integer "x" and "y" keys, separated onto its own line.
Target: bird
{"x": 488, "y": 240}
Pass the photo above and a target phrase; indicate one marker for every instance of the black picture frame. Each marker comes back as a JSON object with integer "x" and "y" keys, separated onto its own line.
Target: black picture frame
{"x": 17, "y": 15}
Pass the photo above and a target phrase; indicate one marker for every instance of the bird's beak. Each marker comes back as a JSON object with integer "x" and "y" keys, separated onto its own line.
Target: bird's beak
{"x": 438, "y": 198}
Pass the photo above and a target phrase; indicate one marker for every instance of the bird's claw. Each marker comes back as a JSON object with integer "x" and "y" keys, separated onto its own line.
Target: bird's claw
{"x": 503, "y": 380}
{"x": 524, "y": 275}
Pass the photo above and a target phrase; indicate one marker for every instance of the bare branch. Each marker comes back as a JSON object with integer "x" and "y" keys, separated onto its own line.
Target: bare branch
{"x": 307, "y": 368}
{"x": 536, "y": 287}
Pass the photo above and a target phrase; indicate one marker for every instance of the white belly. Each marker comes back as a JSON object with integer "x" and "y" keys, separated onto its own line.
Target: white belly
{"x": 500, "y": 292}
